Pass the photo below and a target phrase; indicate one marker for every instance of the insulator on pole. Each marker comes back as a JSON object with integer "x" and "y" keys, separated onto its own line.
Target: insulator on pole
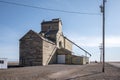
{"x": 101, "y": 8}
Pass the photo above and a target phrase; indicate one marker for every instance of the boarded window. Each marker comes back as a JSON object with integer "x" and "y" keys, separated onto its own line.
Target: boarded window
{"x": 60, "y": 44}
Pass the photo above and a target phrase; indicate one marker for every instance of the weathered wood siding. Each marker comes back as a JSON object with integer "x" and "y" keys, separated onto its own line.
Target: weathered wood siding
{"x": 31, "y": 50}
{"x": 49, "y": 55}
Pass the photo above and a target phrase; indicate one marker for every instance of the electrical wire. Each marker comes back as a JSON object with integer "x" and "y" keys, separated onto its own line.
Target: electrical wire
{"x": 49, "y": 9}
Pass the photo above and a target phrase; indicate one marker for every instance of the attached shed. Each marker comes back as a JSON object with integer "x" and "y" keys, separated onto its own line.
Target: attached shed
{"x": 65, "y": 56}
{"x": 3, "y": 63}
{"x": 80, "y": 60}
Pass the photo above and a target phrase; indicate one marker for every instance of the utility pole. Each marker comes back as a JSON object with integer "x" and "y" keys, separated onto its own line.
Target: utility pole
{"x": 101, "y": 52}
{"x": 103, "y": 33}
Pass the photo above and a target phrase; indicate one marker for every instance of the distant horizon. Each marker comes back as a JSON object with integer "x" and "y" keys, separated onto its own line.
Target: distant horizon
{"x": 17, "y": 60}
{"x": 90, "y": 61}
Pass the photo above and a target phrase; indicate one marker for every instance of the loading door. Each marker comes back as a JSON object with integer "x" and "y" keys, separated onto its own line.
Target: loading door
{"x": 61, "y": 59}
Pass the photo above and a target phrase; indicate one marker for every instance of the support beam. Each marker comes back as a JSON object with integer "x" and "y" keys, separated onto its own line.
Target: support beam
{"x": 78, "y": 46}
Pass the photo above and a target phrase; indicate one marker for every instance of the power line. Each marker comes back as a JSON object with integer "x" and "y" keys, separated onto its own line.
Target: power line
{"x": 49, "y": 9}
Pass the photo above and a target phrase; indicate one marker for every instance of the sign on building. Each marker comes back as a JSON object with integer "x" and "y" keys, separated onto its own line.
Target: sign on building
{"x": 3, "y": 63}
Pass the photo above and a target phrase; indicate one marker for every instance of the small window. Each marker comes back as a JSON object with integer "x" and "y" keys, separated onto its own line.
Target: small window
{"x": 50, "y": 27}
{"x": 60, "y": 44}
{"x": 1, "y": 62}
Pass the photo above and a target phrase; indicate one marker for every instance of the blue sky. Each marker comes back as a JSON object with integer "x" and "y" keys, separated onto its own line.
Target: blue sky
{"x": 83, "y": 29}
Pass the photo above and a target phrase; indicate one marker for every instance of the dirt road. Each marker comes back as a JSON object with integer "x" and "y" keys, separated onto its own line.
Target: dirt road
{"x": 116, "y": 64}
{"x": 62, "y": 72}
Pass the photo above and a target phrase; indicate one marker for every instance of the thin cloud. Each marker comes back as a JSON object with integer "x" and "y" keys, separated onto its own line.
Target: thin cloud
{"x": 111, "y": 41}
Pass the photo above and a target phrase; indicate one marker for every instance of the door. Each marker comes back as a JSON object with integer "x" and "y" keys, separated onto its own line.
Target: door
{"x": 61, "y": 59}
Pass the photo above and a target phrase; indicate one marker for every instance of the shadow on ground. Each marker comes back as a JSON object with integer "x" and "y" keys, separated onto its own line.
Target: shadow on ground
{"x": 86, "y": 75}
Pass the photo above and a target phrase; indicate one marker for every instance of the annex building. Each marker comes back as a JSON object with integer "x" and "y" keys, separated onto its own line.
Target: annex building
{"x": 49, "y": 46}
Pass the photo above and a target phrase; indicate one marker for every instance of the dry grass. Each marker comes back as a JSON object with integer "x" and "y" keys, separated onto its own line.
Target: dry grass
{"x": 13, "y": 63}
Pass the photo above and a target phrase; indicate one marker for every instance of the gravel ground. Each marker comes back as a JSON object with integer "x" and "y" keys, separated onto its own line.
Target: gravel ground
{"x": 94, "y": 72}
{"x": 116, "y": 64}
{"x": 62, "y": 72}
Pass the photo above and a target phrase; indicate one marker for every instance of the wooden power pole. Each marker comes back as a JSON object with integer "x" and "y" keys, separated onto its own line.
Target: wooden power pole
{"x": 103, "y": 33}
